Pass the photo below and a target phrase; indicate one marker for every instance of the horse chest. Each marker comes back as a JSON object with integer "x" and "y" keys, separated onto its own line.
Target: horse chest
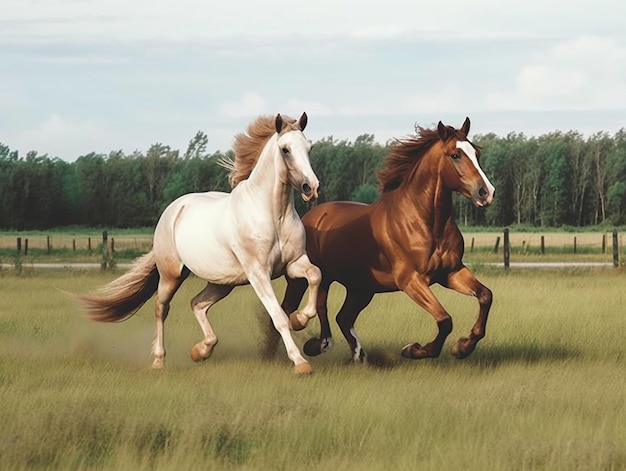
{"x": 443, "y": 259}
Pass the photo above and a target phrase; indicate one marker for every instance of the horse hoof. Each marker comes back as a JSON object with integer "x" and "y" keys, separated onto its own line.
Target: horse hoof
{"x": 312, "y": 347}
{"x": 303, "y": 368}
{"x": 157, "y": 364}
{"x": 295, "y": 323}
{"x": 196, "y": 355}
{"x": 462, "y": 348}
{"x": 413, "y": 351}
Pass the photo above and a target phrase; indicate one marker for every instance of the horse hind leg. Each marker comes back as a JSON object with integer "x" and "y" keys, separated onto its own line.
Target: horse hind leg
{"x": 200, "y": 304}
{"x": 316, "y": 346}
{"x": 168, "y": 286}
{"x": 354, "y": 303}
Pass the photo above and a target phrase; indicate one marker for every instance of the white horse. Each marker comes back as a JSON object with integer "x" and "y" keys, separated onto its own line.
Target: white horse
{"x": 250, "y": 235}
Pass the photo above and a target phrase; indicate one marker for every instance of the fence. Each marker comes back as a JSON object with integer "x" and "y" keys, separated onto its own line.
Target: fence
{"x": 106, "y": 250}
{"x": 100, "y": 248}
{"x": 579, "y": 248}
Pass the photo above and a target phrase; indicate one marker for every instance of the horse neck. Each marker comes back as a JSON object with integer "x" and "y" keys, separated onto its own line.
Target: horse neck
{"x": 269, "y": 182}
{"x": 430, "y": 198}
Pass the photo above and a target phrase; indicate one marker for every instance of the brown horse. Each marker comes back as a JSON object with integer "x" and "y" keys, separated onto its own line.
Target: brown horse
{"x": 407, "y": 240}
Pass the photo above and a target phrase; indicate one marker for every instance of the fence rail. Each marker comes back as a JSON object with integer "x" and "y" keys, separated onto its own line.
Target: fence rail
{"x": 512, "y": 248}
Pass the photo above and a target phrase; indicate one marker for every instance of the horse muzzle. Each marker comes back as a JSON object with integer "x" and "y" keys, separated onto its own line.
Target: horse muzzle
{"x": 308, "y": 191}
{"x": 483, "y": 196}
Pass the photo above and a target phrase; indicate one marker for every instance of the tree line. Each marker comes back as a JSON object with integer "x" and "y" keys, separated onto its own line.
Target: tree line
{"x": 553, "y": 180}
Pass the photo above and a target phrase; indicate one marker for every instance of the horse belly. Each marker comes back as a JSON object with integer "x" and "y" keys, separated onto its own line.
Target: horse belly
{"x": 215, "y": 267}
{"x": 204, "y": 246}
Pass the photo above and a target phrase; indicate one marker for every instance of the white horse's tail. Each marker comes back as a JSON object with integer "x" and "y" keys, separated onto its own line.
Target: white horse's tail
{"x": 121, "y": 298}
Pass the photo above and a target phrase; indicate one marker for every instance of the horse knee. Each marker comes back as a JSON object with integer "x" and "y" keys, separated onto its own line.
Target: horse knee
{"x": 485, "y": 297}
{"x": 314, "y": 275}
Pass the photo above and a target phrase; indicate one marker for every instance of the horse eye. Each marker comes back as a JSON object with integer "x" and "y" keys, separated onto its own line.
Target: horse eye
{"x": 455, "y": 156}
{"x": 285, "y": 150}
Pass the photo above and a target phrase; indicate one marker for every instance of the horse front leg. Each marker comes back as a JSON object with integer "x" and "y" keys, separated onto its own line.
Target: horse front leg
{"x": 419, "y": 291}
{"x": 464, "y": 282}
{"x": 303, "y": 268}
{"x": 261, "y": 283}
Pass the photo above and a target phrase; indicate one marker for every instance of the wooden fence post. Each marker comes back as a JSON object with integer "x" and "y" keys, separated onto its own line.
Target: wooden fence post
{"x": 495, "y": 249}
{"x": 472, "y": 246}
{"x": 105, "y": 250}
{"x": 19, "y": 245}
{"x": 615, "y": 249}
{"x": 543, "y": 245}
{"x": 506, "y": 248}
{"x": 25, "y": 247}
{"x": 48, "y": 244}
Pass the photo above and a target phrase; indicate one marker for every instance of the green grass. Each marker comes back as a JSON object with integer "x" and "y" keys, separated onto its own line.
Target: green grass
{"x": 544, "y": 389}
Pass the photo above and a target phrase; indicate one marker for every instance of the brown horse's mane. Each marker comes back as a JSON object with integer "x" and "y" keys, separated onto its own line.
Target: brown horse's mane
{"x": 248, "y": 145}
{"x": 406, "y": 153}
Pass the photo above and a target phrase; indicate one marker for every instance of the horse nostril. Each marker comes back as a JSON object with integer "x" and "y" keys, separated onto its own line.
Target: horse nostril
{"x": 306, "y": 188}
{"x": 482, "y": 192}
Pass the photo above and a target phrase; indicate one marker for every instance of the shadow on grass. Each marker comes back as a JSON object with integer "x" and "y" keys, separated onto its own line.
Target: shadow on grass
{"x": 526, "y": 353}
{"x": 388, "y": 357}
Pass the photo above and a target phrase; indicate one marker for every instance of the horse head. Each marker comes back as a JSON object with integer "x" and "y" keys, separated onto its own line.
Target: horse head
{"x": 461, "y": 170}
{"x": 294, "y": 148}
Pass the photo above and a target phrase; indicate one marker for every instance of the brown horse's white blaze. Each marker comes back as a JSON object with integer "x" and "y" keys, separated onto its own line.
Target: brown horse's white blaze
{"x": 484, "y": 193}
{"x": 407, "y": 241}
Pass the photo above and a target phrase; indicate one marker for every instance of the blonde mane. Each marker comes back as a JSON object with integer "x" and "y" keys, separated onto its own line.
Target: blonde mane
{"x": 248, "y": 146}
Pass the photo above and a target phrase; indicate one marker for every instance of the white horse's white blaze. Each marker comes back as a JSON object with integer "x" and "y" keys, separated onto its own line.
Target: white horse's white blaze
{"x": 469, "y": 150}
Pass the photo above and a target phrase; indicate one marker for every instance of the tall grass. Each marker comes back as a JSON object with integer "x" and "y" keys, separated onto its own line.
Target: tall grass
{"x": 544, "y": 389}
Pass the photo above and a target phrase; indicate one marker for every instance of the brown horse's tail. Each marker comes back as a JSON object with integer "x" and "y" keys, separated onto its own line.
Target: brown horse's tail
{"x": 121, "y": 298}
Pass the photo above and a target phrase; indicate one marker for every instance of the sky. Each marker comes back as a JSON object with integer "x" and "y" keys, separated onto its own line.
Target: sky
{"x": 80, "y": 76}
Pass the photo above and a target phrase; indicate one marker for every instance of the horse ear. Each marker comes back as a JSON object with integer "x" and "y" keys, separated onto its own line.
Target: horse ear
{"x": 442, "y": 129}
{"x": 279, "y": 123}
{"x": 466, "y": 126}
{"x": 303, "y": 120}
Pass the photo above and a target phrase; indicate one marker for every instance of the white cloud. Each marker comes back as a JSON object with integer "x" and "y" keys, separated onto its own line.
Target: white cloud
{"x": 250, "y": 104}
{"x": 580, "y": 73}
{"x": 193, "y": 19}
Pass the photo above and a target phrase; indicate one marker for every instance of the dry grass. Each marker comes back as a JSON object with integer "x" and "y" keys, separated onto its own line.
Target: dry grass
{"x": 544, "y": 390}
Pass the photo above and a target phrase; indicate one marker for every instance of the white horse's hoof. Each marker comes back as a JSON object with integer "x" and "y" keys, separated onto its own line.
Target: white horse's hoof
{"x": 303, "y": 368}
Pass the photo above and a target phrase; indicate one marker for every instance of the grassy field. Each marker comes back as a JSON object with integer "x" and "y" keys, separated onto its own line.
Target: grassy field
{"x": 545, "y": 390}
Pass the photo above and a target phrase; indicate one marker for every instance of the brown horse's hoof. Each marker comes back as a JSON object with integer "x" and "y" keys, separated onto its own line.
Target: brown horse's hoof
{"x": 462, "y": 348}
{"x": 303, "y": 368}
{"x": 312, "y": 347}
{"x": 415, "y": 351}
